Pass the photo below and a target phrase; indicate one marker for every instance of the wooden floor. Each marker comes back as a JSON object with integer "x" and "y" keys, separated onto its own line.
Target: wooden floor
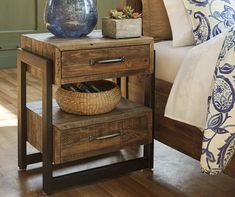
{"x": 174, "y": 174}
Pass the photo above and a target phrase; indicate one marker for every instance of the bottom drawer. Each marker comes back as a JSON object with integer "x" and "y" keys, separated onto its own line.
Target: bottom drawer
{"x": 78, "y": 138}
{"x": 102, "y": 138}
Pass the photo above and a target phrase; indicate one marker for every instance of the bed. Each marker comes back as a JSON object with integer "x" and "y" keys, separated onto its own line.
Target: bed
{"x": 182, "y": 137}
{"x": 172, "y": 57}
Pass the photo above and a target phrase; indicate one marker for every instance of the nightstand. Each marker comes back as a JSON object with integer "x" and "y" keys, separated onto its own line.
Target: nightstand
{"x": 63, "y": 138}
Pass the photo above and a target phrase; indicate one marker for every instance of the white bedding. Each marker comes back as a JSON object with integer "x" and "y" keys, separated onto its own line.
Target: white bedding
{"x": 203, "y": 95}
{"x": 188, "y": 100}
{"x": 169, "y": 60}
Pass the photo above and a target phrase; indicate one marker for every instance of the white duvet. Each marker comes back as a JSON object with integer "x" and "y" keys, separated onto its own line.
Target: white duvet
{"x": 203, "y": 96}
{"x": 188, "y": 100}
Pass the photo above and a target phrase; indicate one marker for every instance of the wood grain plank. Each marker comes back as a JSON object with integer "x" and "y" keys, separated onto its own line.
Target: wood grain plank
{"x": 92, "y": 41}
{"x": 62, "y": 121}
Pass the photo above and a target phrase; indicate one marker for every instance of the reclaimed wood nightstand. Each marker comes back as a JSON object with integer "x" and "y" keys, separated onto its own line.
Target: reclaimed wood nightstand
{"x": 60, "y": 137}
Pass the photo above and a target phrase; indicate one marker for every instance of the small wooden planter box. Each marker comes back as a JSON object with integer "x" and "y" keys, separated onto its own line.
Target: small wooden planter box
{"x": 79, "y": 137}
{"x": 125, "y": 28}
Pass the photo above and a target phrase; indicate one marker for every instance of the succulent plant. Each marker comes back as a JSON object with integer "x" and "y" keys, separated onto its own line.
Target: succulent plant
{"x": 128, "y": 11}
{"x": 116, "y": 14}
{"x": 124, "y": 13}
{"x": 136, "y": 15}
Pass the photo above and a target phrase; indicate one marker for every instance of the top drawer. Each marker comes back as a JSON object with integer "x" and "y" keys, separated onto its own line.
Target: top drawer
{"x": 105, "y": 63}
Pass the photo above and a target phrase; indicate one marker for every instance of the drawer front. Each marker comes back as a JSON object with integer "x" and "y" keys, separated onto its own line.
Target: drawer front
{"x": 103, "y": 138}
{"x": 106, "y": 62}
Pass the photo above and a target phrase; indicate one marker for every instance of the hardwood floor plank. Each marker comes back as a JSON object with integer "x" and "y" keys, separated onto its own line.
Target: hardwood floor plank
{"x": 92, "y": 190}
{"x": 118, "y": 189}
{"x": 135, "y": 186}
{"x": 146, "y": 179}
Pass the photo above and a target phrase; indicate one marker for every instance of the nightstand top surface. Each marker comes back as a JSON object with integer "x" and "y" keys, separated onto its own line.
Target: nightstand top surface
{"x": 93, "y": 40}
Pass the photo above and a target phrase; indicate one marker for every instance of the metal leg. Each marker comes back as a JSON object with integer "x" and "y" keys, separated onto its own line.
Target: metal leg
{"x": 25, "y": 58}
{"x": 150, "y": 102}
{"x": 22, "y": 124}
{"x": 119, "y": 82}
{"x": 127, "y": 87}
{"x": 47, "y": 128}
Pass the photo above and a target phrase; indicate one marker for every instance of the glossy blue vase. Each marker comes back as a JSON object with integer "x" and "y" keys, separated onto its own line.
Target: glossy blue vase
{"x": 71, "y": 18}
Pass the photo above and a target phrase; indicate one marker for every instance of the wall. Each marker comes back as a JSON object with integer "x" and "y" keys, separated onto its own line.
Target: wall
{"x": 26, "y": 16}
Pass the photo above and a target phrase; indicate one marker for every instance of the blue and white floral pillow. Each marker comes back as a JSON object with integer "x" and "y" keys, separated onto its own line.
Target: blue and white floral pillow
{"x": 210, "y": 17}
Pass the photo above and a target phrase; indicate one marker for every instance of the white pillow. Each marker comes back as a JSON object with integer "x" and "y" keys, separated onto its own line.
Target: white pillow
{"x": 210, "y": 18}
{"x": 181, "y": 26}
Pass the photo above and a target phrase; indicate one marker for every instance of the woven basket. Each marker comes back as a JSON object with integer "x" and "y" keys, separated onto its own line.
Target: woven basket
{"x": 90, "y": 103}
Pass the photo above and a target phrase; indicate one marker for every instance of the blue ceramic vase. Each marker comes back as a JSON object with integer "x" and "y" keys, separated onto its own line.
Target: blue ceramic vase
{"x": 71, "y": 18}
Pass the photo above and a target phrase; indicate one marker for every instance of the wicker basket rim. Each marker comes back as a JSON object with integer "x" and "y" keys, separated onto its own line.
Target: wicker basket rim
{"x": 91, "y": 93}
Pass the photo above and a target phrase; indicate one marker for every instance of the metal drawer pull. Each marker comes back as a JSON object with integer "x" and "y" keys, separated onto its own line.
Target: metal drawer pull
{"x": 106, "y": 61}
{"x": 108, "y": 136}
